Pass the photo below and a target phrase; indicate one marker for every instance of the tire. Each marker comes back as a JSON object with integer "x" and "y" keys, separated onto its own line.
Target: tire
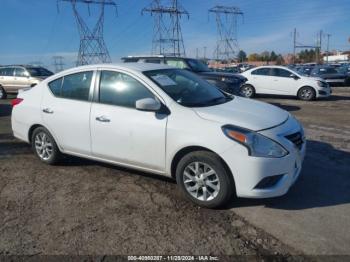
{"x": 49, "y": 152}
{"x": 247, "y": 91}
{"x": 306, "y": 93}
{"x": 192, "y": 185}
{"x": 3, "y": 94}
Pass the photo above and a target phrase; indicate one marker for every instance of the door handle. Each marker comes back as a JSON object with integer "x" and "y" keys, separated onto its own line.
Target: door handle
{"x": 103, "y": 119}
{"x": 47, "y": 111}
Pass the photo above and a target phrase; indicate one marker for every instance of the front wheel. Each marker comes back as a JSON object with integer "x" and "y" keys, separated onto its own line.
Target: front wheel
{"x": 45, "y": 147}
{"x": 204, "y": 180}
{"x": 306, "y": 93}
{"x": 247, "y": 91}
{"x": 3, "y": 94}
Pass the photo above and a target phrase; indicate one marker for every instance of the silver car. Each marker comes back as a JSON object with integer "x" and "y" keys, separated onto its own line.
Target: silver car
{"x": 14, "y": 78}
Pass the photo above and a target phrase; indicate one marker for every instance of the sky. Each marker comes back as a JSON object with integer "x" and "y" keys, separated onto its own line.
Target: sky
{"x": 36, "y": 30}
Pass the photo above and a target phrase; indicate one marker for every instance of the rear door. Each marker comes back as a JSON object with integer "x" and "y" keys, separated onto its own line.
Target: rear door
{"x": 120, "y": 132}
{"x": 21, "y": 78}
{"x": 261, "y": 80}
{"x": 7, "y": 78}
{"x": 66, "y": 111}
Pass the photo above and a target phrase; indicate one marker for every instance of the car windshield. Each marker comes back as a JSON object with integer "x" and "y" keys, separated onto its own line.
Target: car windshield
{"x": 38, "y": 71}
{"x": 186, "y": 88}
{"x": 198, "y": 66}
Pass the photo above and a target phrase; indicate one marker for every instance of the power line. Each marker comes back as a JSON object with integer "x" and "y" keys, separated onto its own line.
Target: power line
{"x": 167, "y": 33}
{"x": 92, "y": 45}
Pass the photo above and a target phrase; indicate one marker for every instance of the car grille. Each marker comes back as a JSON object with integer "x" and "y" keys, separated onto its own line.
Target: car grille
{"x": 296, "y": 139}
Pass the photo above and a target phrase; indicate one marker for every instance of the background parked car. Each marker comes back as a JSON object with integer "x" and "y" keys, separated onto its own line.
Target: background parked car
{"x": 278, "y": 80}
{"x": 16, "y": 77}
{"x": 228, "y": 82}
{"x": 330, "y": 74}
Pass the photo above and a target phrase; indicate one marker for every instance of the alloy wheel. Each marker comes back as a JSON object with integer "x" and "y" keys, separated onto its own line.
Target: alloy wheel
{"x": 201, "y": 181}
{"x": 246, "y": 91}
{"x": 43, "y": 146}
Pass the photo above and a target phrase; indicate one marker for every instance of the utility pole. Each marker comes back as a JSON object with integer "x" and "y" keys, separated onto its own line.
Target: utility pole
{"x": 328, "y": 36}
{"x": 197, "y": 52}
{"x": 205, "y": 53}
{"x": 227, "y": 27}
{"x": 167, "y": 33}
{"x": 92, "y": 48}
{"x": 58, "y": 63}
{"x": 294, "y": 44}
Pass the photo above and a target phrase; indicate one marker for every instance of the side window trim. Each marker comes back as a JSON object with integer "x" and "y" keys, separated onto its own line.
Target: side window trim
{"x": 91, "y": 90}
{"x": 96, "y": 93}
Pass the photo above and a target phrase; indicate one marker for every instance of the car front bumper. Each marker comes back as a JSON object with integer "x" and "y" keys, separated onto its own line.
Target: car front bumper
{"x": 248, "y": 172}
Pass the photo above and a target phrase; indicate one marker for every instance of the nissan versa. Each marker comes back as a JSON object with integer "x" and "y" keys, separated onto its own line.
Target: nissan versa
{"x": 167, "y": 121}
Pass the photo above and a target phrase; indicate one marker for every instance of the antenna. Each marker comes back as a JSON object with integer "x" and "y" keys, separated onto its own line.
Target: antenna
{"x": 92, "y": 48}
{"x": 227, "y": 27}
{"x": 167, "y": 33}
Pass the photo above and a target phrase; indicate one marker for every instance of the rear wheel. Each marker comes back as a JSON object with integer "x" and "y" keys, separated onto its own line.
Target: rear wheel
{"x": 204, "y": 180}
{"x": 247, "y": 91}
{"x": 45, "y": 147}
{"x": 307, "y": 93}
{"x": 3, "y": 94}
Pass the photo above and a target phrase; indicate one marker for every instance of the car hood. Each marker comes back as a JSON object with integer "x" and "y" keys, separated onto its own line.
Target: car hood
{"x": 246, "y": 113}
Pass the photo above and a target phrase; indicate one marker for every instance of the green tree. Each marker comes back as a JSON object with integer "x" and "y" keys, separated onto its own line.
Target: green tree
{"x": 279, "y": 60}
{"x": 242, "y": 56}
{"x": 273, "y": 56}
{"x": 265, "y": 56}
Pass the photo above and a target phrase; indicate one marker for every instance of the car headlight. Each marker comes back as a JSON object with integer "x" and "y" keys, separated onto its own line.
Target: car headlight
{"x": 322, "y": 84}
{"x": 257, "y": 144}
{"x": 229, "y": 80}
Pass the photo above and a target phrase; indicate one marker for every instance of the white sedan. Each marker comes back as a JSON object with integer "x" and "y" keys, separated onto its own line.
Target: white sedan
{"x": 279, "y": 80}
{"x": 166, "y": 121}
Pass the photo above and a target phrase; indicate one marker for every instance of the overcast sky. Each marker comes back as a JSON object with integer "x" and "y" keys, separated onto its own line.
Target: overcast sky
{"x": 33, "y": 30}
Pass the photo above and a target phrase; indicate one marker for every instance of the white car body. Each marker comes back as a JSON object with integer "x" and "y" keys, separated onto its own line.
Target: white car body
{"x": 290, "y": 86}
{"x": 149, "y": 142}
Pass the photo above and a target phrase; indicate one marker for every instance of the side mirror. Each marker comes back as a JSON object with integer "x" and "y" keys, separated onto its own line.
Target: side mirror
{"x": 148, "y": 104}
{"x": 295, "y": 77}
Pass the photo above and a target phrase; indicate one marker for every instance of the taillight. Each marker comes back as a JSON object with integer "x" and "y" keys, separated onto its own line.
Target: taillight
{"x": 16, "y": 101}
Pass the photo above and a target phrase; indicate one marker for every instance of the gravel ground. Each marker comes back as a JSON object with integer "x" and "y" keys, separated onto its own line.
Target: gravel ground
{"x": 83, "y": 207}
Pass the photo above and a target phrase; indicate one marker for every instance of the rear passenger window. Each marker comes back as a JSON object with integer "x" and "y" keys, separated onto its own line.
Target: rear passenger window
{"x": 261, "y": 71}
{"x": 7, "y": 71}
{"x": 121, "y": 90}
{"x": 77, "y": 86}
{"x": 55, "y": 86}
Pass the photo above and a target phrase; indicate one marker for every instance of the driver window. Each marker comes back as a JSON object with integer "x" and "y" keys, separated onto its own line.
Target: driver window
{"x": 121, "y": 90}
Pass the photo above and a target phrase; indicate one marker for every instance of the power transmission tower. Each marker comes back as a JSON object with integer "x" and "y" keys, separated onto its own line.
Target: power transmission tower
{"x": 58, "y": 63}
{"x": 92, "y": 48}
{"x": 227, "y": 27}
{"x": 167, "y": 33}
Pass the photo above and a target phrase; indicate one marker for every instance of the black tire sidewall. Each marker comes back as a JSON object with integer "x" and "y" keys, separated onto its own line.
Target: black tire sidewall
{"x": 226, "y": 185}
{"x": 4, "y": 95}
{"x": 55, "y": 151}
{"x": 251, "y": 87}
{"x": 312, "y": 90}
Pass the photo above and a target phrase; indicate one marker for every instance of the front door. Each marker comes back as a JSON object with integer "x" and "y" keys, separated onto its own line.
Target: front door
{"x": 120, "y": 132}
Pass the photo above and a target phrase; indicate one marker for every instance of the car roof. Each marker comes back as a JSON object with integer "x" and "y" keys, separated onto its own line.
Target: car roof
{"x": 152, "y": 56}
{"x": 136, "y": 67}
{"x": 271, "y": 66}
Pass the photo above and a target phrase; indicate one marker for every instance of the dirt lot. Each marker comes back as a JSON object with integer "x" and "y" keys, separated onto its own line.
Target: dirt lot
{"x": 84, "y": 207}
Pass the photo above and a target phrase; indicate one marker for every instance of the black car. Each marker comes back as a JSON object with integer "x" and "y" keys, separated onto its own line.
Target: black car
{"x": 228, "y": 82}
{"x": 330, "y": 75}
